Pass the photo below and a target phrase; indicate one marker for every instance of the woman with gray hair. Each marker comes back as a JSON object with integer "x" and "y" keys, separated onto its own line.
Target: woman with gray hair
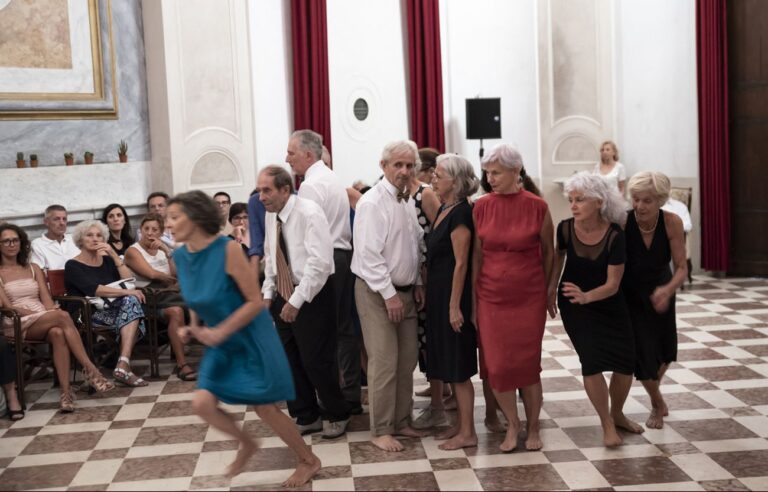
{"x": 90, "y": 274}
{"x": 514, "y": 246}
{"x": 654, "y": 239}
{"x": 451, "y": 335}
{"x": 591, "y": 304}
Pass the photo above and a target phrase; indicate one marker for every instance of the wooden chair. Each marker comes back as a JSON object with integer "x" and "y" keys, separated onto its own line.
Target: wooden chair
{"x": 685, "y": 195}
{"x": 17, "y": 343}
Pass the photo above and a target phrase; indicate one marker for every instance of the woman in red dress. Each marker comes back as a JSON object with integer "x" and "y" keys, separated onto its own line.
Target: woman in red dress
{"x": 512, "y": 264}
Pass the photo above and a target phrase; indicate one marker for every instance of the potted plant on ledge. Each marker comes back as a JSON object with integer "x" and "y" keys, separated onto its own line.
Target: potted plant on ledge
{"x": 122, "y": 151}
{"x": 20, "y": 160}
{"x": 88, "y": 156}
{"x": 32, "y": 160}
{"x": 69, "y": 159}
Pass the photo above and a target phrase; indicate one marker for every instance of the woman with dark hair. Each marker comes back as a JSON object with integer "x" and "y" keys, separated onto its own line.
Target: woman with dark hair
{"x": 245, "y": 363}
{"x": 428, "y": 158}
{"x": 24, "y": 287}
{"x": 238, "y": 218}
{"x": 119, "y": 225}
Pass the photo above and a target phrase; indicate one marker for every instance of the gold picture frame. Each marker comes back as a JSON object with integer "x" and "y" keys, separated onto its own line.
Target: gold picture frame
{"x": 101, "y": 103}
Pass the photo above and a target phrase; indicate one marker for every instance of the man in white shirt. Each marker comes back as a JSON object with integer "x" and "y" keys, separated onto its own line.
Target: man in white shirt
{"x": 298, "y": 254}
{"x": 157, "y": 203}
{"x": 55, "y": 247}
{"x": 681, "y": 210}
{"x": 388, "y": 292}
{"x": 321, "y": 185}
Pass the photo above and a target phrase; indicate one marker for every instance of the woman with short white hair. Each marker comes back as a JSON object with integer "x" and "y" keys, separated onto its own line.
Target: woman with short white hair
{"x": 591, "y": 304}
{"x": 654, "y": 239}
{"x": 89, "y": 274}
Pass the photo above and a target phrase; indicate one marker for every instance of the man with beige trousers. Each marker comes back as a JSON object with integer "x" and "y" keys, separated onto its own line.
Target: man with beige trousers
{"x": 388, "y": 293}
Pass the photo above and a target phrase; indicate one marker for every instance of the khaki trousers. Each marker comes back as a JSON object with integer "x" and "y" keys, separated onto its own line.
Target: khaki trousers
{"x": 393, "y": 352}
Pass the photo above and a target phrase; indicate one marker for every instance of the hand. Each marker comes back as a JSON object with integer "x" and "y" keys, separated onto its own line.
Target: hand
{"x": 158, "y": 244}
{"x": 552, "y": 302}
{"x": 420, "y": 297}
{"x": 395, "y": 309}
{"x": 574, "y": 293}
{"x": 660, "y": 299}
{"x": 104, "y": 249}
{"x": 185, "y": 334}
{"x": 210, "y": 337}
{"x": 138, "y": 295}
{"x": 456, "y": 318}
{"x": 289, "y": 313}
{"x": 238, "y": 232}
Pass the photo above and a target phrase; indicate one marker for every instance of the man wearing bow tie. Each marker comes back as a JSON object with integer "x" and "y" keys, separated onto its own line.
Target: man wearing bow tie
{"x": 388, "y": 292}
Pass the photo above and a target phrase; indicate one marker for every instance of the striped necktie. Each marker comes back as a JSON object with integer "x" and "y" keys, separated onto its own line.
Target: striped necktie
{"x": 285, "y": 285}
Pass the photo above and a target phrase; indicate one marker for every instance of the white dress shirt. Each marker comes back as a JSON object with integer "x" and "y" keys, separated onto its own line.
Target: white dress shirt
{"x": 310, "y": 249}
{"x": 387, "y": 239}
{"x": 52, "y": 254}
{"x": 322, "y": 187}
{"x": 681, "y": 210}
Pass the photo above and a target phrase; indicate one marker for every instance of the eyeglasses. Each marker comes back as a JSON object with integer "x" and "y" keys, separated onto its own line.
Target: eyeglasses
{"x": 10, "y": 242}
{"x": 223, "y": 203}
{"x": 239, "y": 217}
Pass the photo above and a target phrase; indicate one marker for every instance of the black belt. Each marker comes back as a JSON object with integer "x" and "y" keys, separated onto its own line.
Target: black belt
{"x": 403, "y": 288}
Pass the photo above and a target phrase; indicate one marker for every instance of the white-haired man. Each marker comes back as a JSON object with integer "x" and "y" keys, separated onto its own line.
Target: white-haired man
{"x": 388, "y": 292}
{"x": 55, "y": 247}
{"x": 322, "y": 186}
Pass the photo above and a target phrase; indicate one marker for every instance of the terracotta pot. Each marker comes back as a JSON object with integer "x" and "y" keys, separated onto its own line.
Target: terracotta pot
{"x": 123, "y": 157}
{"x": 88, "y": 160}
{"x": 21, "y": 163}
{"x": 33, "y": 163}
{"x": 69, "y": 161}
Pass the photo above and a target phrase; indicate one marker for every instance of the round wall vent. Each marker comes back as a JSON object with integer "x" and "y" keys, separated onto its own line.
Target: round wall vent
{"x": 361, "y": 109}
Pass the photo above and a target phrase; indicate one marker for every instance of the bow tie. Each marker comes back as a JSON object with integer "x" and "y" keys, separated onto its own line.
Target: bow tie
{"x": 403, "y": 195}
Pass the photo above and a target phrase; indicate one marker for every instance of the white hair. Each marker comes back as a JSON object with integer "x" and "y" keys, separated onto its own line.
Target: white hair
{"x": 83, "y": 227}
{"x": 401, "y": 147}
{"x": 462, "y": 172}
{"x": 506, "y": 155}
{"x": 654, "y": 182}
{"x": 613, "y": 209}
{"x": 309, "y": 141}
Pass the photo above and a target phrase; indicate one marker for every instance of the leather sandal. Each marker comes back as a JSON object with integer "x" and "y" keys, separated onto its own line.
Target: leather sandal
{"x": 67, "y": 402}
{"x": 185, "y": 376}
{"x": 97, "y": 381}
{"x": 128, "y": 378}
{"x": 15, "y": 415}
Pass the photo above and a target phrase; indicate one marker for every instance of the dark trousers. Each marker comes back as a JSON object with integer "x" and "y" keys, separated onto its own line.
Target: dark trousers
{"x": 348, "y": 337}
{"x": 310, "y": 344}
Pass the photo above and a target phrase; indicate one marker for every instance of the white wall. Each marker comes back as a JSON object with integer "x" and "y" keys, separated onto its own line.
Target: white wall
{"x": 366, "y": 58}
{"x": 656, "y": 86}
{"x": 272, "y": 72}
{"x": 489, "y": 49}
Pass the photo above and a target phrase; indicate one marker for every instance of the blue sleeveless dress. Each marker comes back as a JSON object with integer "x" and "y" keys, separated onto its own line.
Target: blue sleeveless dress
{"x": 250, "y": 367}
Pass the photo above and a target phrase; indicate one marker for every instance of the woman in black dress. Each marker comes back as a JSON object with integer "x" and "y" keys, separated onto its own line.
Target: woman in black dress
{"x": 451, "y": 337}
{"x": 119, "y": 225}
{"x": 654, "y": 238}
{"x": 592, "y": 307}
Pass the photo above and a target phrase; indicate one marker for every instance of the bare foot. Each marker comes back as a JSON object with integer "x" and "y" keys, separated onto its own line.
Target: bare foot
{"x": 656, "y": 419}
{"x": 243, "y": 454}
{"x": 447, "y": 433}
{"x": 622, "y": 422}
{"x": 304, "y": 472}
{"x": 510, "y": 440}
{"x": 533, "y": 441}
{"x": 388, "y": 443}
{"x": 410, "y": 432}
{"x": 495, "y": 425}
{"x": 459, "y": 442}
{"x": 611, "y": 438}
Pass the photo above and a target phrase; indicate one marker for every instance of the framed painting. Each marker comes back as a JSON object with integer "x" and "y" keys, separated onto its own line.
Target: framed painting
{"x": 57, "y": 60}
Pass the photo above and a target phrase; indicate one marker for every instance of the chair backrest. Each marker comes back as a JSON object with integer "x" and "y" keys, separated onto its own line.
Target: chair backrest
{"x": 56, "y": 283}
{"x": 682, "y": 195}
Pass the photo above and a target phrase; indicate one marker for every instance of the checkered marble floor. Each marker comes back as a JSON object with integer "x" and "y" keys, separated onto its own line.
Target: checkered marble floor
{"x": 715, "y": 438}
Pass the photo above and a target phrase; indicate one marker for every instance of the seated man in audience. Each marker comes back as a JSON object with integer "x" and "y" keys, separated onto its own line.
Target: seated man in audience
{"x": 681, "y": 210}
{"x": 224, "y": 201}
{"x": 157, "y": 203}
{"x": 55, "y": 247}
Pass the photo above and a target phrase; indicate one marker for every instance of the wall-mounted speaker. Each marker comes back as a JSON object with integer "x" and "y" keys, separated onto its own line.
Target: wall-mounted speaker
{"x": 483, "y": 118}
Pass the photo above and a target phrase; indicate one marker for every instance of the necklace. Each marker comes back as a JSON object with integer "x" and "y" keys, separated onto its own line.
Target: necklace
{"x": 647, "y": 231}
{"x": 446, "y": 206}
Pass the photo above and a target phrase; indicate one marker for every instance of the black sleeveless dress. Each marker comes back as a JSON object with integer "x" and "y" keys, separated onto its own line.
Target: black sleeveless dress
{"x": 601, "y": 332}
{"x": 646, "y": 269}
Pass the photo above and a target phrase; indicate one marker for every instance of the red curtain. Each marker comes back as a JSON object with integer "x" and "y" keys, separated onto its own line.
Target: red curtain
{"x": 714, "y": 164}
{"x": 311, "y": 97}
{"x": 426, "y": 79}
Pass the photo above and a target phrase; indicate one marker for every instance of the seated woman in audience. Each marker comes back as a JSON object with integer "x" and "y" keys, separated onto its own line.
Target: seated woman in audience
{"x": 609, "y": 167}
{"x": 654, "y": 239}
{"x": 238, "y": 217}
{"x": 119, "y": 225}
{"x": 89, "y": 274}
{"x": 24, "y": 290}
{"x": 14, "y": 411}
{"x": 451, "y": 335}
{"x": 149, "y": 260}
{"x": 592, "y": 307}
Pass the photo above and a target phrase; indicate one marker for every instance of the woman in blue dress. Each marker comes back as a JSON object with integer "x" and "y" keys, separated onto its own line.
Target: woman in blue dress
{"x": 244, "y": 363}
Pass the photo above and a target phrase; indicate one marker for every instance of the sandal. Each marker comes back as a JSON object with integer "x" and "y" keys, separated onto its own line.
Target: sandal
{"x": 96, "y": 380}
{"x": 128, "y": 378}
{"x": 185, "y": 376}
{"x": 15, "y": 415}
{"x": 67, "y": 402}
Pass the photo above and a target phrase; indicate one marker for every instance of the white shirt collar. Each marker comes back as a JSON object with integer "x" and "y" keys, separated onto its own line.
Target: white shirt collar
{"x": 285, "y": 213}
{"x": 316, "y": 168}
{"x": 46, "y": 239}
{"x": 390, "y": 187}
